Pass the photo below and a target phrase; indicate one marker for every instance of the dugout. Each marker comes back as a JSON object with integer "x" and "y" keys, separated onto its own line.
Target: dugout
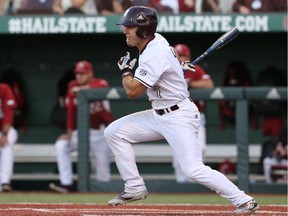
{"x": 42, "y": 56}
{"x": 41, "y": 48}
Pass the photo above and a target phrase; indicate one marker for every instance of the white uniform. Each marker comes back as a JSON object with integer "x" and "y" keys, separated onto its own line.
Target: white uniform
{"x": 160, "y": 71}
{"x": 7, "y": 156}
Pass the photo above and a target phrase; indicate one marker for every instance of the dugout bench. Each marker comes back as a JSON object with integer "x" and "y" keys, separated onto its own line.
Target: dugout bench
{"x": 239, "y": 94}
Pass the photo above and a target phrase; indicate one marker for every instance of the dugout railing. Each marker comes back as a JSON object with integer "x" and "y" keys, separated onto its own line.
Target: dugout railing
{"x": 239, "y": 94}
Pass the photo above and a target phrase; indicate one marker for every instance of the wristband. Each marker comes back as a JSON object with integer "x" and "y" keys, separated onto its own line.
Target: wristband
{"x": 127, "y": 73}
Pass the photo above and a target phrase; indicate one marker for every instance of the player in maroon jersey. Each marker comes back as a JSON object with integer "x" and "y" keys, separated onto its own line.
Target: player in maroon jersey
{"x": 8, "y": 136}
{"x": 100, "y": 117}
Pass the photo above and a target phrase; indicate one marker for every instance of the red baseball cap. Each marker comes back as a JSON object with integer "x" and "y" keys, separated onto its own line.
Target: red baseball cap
{"x": 182, "y": 49}
{"x": 83, "y": 67}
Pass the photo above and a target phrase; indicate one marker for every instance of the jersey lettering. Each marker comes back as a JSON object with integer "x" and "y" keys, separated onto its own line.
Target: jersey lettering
{"x": 173, "y": 51}
{"x": 157, "y": 91}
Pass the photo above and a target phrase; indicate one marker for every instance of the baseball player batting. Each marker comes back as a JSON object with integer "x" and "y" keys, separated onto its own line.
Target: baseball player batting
{"x": 173, "y": 115}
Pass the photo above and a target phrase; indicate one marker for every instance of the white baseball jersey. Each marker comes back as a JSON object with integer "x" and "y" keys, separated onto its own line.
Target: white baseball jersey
{"x": 156, "y": 61}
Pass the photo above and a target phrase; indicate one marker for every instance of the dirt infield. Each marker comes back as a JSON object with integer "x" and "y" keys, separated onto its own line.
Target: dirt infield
{"x": 129, "y": 209}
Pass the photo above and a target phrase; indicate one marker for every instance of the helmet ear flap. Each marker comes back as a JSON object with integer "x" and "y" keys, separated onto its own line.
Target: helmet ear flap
{"x": 142, "y": 33}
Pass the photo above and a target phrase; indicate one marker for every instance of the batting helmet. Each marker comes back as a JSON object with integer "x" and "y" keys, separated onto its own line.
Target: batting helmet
{"x": 143, "y": 17}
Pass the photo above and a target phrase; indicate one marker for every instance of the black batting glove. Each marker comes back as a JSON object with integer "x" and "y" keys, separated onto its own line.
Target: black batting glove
{"x": 187, "y": 65}
{"x": 126, "y": 65}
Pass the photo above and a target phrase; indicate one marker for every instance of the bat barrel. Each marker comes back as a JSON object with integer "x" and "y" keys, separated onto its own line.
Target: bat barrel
{"x": 220, "y": 42}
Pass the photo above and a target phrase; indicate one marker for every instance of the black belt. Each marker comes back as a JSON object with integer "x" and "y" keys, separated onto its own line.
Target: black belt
{"x": 167, "y": 110}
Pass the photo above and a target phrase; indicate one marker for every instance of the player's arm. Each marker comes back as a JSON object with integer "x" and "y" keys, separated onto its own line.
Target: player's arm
{"x": 201, "y": 80}
{"x": 205, "y": 83}
{"x": 8, "y": 105}
{"x": 133, "y": 88}
{"x": 71, "y": 113}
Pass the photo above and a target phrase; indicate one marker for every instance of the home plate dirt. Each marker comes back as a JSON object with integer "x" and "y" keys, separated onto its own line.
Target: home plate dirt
{"x": 130, "y": 209}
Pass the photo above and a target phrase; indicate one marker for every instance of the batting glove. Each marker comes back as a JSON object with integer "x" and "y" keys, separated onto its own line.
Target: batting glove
{"x": 187, "y": 65}
{"x": 126, "y": 65}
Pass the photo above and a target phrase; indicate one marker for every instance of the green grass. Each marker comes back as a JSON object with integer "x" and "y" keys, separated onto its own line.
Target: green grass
{"x": 153, "y": 198}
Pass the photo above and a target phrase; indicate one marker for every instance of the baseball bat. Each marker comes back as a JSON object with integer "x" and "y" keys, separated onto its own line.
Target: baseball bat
{"x": 219, "y": 43}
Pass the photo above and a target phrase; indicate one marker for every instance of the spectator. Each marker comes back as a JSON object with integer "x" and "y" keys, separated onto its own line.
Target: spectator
{"x": 252, "y": 6}
{"x": 99, "y": 118}
{"x": 74, "y": 7}
{"x": 164, "y": 6}
{"x": 226, "y": 6}
{"x": 110, "y": 7}
{"x": 8, "y": 136}
{"x": 4, "y": 5}
{"x": 236, "y": 75}
{"x": 278, "y": 157}
{"x": 204, "y": 6}
{"x": 198, "y": 6}
{"x": 139, "y": 2}
{"x": 184, "y": 6}
{"x": 198, "y": 79}
{"x": 32, "y": 6}
{"x": 279, "y": 5}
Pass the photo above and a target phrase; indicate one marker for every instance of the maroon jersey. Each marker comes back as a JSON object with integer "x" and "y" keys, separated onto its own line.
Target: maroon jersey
{"x": 7, "y": 105}
{"x": 199, "y": 74}
{"x": 98, "y": 114}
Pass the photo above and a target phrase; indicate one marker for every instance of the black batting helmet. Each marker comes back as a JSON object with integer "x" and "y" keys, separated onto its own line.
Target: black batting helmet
{"x": 143, "y": 17}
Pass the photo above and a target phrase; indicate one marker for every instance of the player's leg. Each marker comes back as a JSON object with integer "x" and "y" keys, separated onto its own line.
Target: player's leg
{"x": 101, "y": 154}
{"x": 202, "y": 135}
{"x": 180, "y": 176}
{"x": 64, "y": 148}
{"x": 182, "y": 135}
{"x": 7, "y": 160}
{"x": 134, "y": 128}
{"x": 267, "y": 164}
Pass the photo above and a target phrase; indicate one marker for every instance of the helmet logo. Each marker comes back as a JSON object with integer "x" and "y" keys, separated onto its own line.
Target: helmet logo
{"x": 126, "y": 12}
{"x": 141, "y": 19}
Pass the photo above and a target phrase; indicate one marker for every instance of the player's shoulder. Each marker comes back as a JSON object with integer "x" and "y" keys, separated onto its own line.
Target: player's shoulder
{"x": 200, "y": 69}
{"x": 156, "y": 49}
{"x": 72, "y": 83}
{"x": 4, "y": 86}
{"x": 99, "y": 82}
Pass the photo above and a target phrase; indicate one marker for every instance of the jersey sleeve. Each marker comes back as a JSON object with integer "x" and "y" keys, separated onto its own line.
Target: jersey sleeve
{"x": 99, "y": 83}
{"x": 8, "y": 104}
{"x": 150, "y": 69}
{"x": 71, "y": 103}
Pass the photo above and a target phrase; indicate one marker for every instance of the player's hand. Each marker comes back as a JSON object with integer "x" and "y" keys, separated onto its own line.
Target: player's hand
{"x": 125, "y": 64}
{"x": 187, "y": 65}
{"x": 3, "y": 141}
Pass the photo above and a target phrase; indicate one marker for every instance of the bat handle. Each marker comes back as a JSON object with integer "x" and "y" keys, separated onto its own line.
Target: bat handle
{"x": 200, "y": 58}
{"x": 196, "y": 61}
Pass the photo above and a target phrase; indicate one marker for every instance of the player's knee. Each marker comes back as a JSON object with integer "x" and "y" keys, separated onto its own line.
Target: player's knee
{"x": 109, "y": 132}
{"x": 61, "y": 145}
{"x": 193, "y": 171}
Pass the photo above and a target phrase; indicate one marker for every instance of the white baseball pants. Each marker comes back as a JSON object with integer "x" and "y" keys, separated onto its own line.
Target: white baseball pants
{"x": 99, "y": 150}
{"x": 180, "y": 129}
{"x": 180, "y": 176}
{"x": 7, "y": 157}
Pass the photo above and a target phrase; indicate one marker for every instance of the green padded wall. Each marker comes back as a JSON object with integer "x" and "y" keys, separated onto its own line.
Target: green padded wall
{"x": 42, "y": 59}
